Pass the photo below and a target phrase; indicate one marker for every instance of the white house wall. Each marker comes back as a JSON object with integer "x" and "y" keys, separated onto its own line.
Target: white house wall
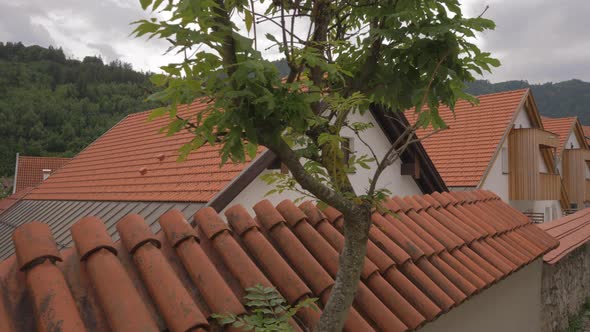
{"x": 390, "y": 179}
{"x": 511, "y": 305}
{"x": 496, "y": 181}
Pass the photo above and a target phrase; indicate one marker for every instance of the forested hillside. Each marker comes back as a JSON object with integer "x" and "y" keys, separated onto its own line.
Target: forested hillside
{"x": 568, "y": 98}
{"x": 54, "y": 106}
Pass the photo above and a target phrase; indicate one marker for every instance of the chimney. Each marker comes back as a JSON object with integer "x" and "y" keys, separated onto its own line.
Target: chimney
{"x": 46, "y": 173}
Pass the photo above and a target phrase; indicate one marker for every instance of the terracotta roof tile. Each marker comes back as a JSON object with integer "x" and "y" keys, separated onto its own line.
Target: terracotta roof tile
{"x": 134, "y": 162}
{"x": 560, "y": 126}
{"x": 30, "y": 170}
{"x": 463, "y": 152}
{"x": 430, "y": 256}
{"x": 572, "y": 232}
{"x": 587, "y": 133}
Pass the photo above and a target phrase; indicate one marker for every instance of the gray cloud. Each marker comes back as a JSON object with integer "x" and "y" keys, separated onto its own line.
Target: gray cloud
{"x": 538, "y": 40}
{"x": 106, "y": 50}
{"x": 16, "y": 25}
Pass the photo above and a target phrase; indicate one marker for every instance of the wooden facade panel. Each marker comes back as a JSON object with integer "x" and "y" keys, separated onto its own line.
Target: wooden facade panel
{"x": 526, "y": 147}
{"x": 574, "y": 175}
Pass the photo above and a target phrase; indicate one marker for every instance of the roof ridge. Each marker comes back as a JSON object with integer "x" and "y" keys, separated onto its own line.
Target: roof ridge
{"x": 503, "y": 92}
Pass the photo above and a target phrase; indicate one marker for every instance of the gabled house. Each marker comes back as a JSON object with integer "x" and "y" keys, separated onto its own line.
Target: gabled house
{"x": 31, "y": 171}
{"x": 573, "y": 159}
{"x": 133, "y": 168}
{"x": 462, "y": 262}
{"x": 499, "y": 145}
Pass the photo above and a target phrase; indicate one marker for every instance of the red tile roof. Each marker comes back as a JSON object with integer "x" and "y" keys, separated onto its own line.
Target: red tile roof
{"x": 463, "y": 152}
{"x": 30, "y": 170}
{"x": 442, "y": 249}
{"x": 9, "y": 201}
{"x": 572, "y": 232}
{"x": 560, "y": 126}
{"x": 134, "y": 162}
{"x": 587, "y": 133}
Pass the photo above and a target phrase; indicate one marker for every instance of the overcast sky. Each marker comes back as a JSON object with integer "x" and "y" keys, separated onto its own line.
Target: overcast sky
{"x": 536, "y": 40}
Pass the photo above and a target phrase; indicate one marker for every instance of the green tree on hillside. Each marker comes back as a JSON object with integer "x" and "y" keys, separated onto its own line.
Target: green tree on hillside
{"x": 54, "y": 106}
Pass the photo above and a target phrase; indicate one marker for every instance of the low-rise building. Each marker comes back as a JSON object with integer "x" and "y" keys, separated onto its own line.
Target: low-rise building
{"x": 133, "y": 168}
{"x": 573, "y": 160}
{"x": 500, "y": 145}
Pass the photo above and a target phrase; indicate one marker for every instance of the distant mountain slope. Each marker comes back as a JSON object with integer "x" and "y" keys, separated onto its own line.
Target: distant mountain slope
{"x": 568, "y": 98}
{"x": 54, "y": 106}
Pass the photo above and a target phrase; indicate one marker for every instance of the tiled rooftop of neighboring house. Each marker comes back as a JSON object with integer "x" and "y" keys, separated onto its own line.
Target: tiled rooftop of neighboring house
{"x": 134, "y": 162}
{"x": 463, "y": 152}
{"x": 572, "y": 232}
{"x": 434, "y": 253}
{"x": 587, "y": 133}
{"x": 560, "y": 126}
{"x": 30, "y": 170}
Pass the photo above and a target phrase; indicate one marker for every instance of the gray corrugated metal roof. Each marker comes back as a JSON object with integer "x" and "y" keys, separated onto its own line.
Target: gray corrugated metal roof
{"x": 61, "y": 215}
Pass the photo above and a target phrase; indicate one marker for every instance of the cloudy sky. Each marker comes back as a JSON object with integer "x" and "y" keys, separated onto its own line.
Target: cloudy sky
{"x": 536, "y": 40}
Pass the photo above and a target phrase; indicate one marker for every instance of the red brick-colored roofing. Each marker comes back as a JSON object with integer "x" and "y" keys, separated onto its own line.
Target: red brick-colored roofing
{"x": 434, "y": 253}
{"x": 587, "y": 133}
{"x": 462, "y": 152}
{"x": 560, "y": 126}
{"x": 30, "y": 170}
{"x": 9, "y": 201}
{"x": 134, "y": 162}
{"x": 572, "y": 232}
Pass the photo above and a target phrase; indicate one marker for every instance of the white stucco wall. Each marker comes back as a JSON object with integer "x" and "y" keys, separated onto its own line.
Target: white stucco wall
{"x": 496, "y": 181}
{"x": 512, "y": 305}
{"x": 572, "y": 140}
{"x": 390, "y": 179}
{"x": 540, "y": 207}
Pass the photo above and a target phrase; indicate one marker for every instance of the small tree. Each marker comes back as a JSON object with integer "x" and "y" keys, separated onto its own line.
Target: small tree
{"x": 342, "y": 56}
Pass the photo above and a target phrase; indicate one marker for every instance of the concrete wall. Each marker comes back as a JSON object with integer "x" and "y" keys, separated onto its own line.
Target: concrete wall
{"x": 566, "y": 285}
{"x": 374, "y": 137}
{"x": 512, "y": 305}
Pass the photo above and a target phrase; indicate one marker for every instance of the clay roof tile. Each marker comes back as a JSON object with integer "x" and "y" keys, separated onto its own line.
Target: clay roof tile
{"x": 135, "y": 232}
{"x": 176, "y": 227}
{"x": 90, "y": 235}
{"x": 419, "y": 263}
{"x": 32, "y": 242}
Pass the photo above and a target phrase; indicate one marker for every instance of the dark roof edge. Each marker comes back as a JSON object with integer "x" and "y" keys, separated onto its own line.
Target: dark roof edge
{"x": 238, "y": 184}
{"x": 393, "y": 125}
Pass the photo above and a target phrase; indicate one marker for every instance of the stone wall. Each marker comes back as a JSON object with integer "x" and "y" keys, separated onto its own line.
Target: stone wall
{"x": 566, "y": 285}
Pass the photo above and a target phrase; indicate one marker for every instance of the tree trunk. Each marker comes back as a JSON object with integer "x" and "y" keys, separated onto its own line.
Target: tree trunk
{"x": 356, "y": 232}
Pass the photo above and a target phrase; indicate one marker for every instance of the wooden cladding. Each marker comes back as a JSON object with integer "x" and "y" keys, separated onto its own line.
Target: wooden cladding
{"x": 587, "y": 191}
{"x": 574, "y": 175}
{"x": 528, "y": 148}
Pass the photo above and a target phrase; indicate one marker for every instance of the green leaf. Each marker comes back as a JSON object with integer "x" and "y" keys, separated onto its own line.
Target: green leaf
{"x": 145, "y": 3}
{"x": 159, "y": 79}
{"x": 248, "y": 19}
